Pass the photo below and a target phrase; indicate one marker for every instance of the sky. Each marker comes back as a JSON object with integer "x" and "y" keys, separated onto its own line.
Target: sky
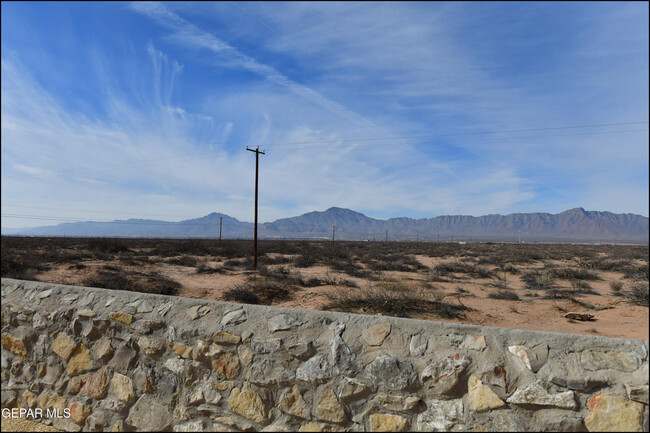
{"x": 115, "y": 110}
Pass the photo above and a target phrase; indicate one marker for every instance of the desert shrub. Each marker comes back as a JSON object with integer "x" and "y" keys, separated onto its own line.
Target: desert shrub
{"x": 277, "y": 260}
{"x": 604, "y": 264}
{"x": 204, "y": 268}
{"x": 453, "y": 267}
{"x": 637, "y": 273}
{"x": 616, "y": 286}
{"x": 107, "y": 245}
{"x": 108, "y": 280}
{"x": 183, "y": 260}
{"x": 399, "y": 303}
{"x": 21, "y": 266}
{"x": 238, "y": 264}
{"x": 313, "y": 282}
{"x": 241, "y": 295}
{"x": 435, "y": 276}
{"x": 352, "y": 269}
{"x": 574, "y": 274}
{"x": 482, "y": 272}
{"x": 304, "y": 261}
{"x": 536, "y": 280}
{"x": 267, "y": 292}
{"x": 394, "y": 262}
{"x": 280, "y": 274}
{"x": 509, "y": 267}
{"x": 637, "y": 294}
{"x": 335, "y": 280}
{"x": 135, "y": 282}
{"x": 582, "y": 287}
{"x": 504, "y": 294}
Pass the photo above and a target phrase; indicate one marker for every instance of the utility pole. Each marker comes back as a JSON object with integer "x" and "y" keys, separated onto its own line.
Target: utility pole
{"x": 220, "y": 222}
{"x": 257, "y": 169}
{"x": 386, "y": 235}
{"x": 333, "y": 230}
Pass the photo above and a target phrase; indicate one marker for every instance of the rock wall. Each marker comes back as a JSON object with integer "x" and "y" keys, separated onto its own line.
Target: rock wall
{"x": 123, "y": 361}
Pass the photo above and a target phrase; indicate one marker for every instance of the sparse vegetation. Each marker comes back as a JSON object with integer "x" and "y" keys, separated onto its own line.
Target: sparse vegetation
{"x": 266, "y": 292}
{"x": 536, "y": 280}
{"x": 574, "y": 274}
{"x": 504, "y": 294}
{"x": 400, "y": 303}
{"x": 410, "y": 278}
{"x": 638, "y": 294}
{"x": 133, "y": 281}
{"x": 616, "y": 286}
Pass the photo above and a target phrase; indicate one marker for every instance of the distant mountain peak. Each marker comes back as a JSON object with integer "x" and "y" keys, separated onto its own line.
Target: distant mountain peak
{"x": 571, "y": 225}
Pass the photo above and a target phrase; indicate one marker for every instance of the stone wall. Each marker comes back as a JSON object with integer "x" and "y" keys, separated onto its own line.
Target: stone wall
{"x": 121, "y": 361}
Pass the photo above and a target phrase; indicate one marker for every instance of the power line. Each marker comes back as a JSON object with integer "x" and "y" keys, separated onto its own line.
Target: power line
{"x": 188, "y": 156}
{"x": 499, "y": 138}
{"x": 456, "y": 134}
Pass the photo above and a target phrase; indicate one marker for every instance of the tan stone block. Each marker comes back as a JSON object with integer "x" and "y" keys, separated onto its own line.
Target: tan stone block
{"x": 248, "y": 403}
{"x": 14, "y": 345}
{"x": 49, "y": 400}
{"x": 376, "y": 335}
{"x": 118, "y": 426}
{"x": 151, "y": 346}
{"x": 223, "y": 337}
{"x": 64, "y": 346}
{"x": 317, "y": 427}
{"x": 79, "y": 412}
{"x": 329, "y": 409}
{"x": 123, "y": 318}
{"x": 74, "y": 384}
{"x": 245, "y": 354}
{"x": 352, "y": 390}
{"x": 184, "y": 351}
{"x": 225, "y": 385}
{"x": 481, "y": 398}
{"x": 384, "y": 422}
{"x": 123, "y": 387}
{"x": 611, "y": 412}
{"x": 80, "y": 361}
{"x": 227, "y": 365}
{"x": 29, "y": 398}
{"x": 294, "y": 404}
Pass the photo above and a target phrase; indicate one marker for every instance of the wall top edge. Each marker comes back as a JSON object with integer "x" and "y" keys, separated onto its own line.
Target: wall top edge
{"x": 9, "y": 285}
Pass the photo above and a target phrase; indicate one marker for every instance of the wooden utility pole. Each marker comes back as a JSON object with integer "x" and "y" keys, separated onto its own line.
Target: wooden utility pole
{"x": 220, "y": 222}
{"x": 333, "y": 230}
{"x": 386, "y": 235}
{"x": 257, "y": 169}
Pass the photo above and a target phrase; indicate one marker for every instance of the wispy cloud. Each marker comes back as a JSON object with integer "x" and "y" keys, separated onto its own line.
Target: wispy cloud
{"x": 189, "y": 34}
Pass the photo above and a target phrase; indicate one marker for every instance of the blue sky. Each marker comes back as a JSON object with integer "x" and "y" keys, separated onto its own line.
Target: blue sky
{"x": 144, "y": 110}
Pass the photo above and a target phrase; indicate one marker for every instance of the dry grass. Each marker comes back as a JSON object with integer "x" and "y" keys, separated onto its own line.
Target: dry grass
{"x": 393, "y": 299}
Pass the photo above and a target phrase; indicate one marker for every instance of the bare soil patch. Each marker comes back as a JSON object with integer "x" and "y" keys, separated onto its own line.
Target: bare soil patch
{"x": 525, "y": 286}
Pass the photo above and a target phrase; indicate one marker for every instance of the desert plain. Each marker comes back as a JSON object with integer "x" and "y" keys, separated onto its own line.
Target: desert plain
{"x": 510, "y": 285}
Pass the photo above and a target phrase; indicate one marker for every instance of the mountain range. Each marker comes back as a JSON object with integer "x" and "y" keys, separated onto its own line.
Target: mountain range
{"x": 574, "y": 225}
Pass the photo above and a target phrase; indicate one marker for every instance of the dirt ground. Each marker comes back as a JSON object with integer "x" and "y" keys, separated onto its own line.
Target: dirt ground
{"x": 597, "y": 293}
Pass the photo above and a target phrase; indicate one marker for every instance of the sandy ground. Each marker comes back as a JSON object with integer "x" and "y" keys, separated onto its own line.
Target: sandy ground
{"x": 21, "y": 424}
{"x": 614, "y": 316}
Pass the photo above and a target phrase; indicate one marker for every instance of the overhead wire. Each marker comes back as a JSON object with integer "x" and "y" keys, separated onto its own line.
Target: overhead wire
{"x": 188, "y": 156}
